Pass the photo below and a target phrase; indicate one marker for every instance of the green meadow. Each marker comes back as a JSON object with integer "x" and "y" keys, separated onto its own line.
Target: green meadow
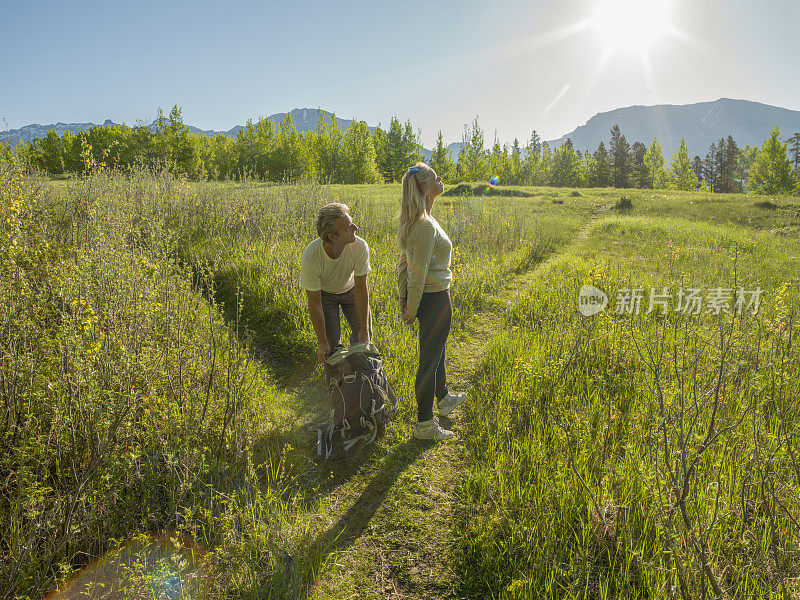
{"x": 157, "y": 374}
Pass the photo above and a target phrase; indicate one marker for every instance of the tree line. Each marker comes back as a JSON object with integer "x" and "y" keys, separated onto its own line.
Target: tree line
{"x": 278, "y": 152}
{"x": 772, "y": 168}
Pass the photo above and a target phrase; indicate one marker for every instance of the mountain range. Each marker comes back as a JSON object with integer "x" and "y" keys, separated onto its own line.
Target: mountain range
{"x": 304, "y": 119}
{"x": 700, "y": 124}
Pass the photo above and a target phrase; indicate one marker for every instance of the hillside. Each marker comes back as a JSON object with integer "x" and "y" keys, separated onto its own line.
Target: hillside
{"x": 700, "y": 124}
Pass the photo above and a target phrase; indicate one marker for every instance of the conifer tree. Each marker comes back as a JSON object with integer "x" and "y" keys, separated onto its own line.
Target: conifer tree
{"x": 412, "y": 145}
{"x": 514, "y": 174}
{"x": 681, "y": 173}
{"x": 654, "y": 163}
{"x": 472, "y": 157}
{"x": 396, "y": 158}
{"x": 638, "y": 170}
{"x": 619, "y": 150}
{"x": 697, "y": 167}
{"x": 710, "y": 168}
{"x": 533, "y": 151}
{"x": 440, "y": 160}
{"x": 603, "y": 166}
{"x": 727, "y": 167}
{"x": 496, "y": 161}
{"x": 719, "y": 161}
{"x": 535, "y": 144}
{"x": 566, "y": 166}
{"x": 771, "y": 173}
{"x": 402, "y": 149}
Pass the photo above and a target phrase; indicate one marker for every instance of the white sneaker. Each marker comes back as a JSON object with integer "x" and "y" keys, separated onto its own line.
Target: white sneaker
{"x": 449, "y": 403}
{"x": 431, "y": 430}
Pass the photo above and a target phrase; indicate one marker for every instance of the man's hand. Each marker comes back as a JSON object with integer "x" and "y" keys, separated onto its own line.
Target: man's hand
{"x": 407, "y": 319}
{"x": 322, "y": 352}
{"x": 363, "y": 336}
{"x": 318, "y": 321}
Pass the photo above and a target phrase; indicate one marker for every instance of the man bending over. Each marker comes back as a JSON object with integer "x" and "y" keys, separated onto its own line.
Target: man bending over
{"x": 334, "y": 273}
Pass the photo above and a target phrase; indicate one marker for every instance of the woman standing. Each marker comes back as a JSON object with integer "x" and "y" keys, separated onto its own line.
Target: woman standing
{"x": 423, "y": 280}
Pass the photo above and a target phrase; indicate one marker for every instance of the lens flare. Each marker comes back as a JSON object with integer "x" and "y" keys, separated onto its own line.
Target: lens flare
{"x": 492, "y": 182}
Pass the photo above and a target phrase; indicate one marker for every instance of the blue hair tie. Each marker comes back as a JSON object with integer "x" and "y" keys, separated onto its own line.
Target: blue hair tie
{"x": 414, "y": 170}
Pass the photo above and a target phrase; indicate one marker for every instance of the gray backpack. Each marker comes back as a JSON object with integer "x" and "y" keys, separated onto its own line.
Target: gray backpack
{"x": 361, "y": 399}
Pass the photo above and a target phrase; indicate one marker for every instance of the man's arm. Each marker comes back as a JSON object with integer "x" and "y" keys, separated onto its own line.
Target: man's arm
{"x": 318, "y": 321}
{"x": 361, "y": 293}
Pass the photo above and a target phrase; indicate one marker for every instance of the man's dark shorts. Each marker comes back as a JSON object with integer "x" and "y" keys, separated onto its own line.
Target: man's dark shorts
{"x": 333, "y": 327}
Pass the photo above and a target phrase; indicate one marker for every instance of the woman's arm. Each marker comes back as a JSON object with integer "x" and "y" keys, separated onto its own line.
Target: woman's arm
{"x": 402, "y": 279}
{"x": 419, "y": 250}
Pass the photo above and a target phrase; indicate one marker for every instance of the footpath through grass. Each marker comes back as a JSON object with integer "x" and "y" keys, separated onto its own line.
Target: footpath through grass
{"x": 371, "y": 525}
{"x": 394, "y": 535}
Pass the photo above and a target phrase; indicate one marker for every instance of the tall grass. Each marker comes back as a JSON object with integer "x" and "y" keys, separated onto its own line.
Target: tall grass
{"x": 128, "y": 404}
{"x": 156, "y": 372}
{"x": 145, "y": 321}
{"x": 640, "y": 456}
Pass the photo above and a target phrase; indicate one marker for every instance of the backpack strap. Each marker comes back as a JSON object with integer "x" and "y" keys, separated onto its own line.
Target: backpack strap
{"x": 368, "y": 436}
{"x": 324, "y": 437}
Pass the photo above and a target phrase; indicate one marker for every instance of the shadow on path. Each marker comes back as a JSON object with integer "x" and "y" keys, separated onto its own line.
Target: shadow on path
{"x": 351, "y": 525}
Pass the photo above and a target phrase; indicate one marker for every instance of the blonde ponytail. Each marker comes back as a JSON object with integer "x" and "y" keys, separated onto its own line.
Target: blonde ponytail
{"x": 412, "y": 208}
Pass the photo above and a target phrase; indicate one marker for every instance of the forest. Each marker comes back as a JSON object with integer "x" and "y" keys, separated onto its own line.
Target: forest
{"x": 278, "y": 152}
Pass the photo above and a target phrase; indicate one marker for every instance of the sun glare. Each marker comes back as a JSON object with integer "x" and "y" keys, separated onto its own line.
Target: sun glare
{"x": 631, "y": 24}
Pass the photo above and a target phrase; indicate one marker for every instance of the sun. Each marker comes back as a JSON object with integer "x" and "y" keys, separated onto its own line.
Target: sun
{"x": 631, "y": 25}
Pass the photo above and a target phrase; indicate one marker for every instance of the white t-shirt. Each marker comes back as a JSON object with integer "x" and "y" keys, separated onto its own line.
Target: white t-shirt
{"x": 318, "y": 271}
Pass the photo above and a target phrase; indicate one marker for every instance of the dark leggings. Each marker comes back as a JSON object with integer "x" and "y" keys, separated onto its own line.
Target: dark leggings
{"x": 435, "y": 314}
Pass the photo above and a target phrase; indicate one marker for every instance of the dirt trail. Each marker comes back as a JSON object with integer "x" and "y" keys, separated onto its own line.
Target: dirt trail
{"x": 395, "y": 538}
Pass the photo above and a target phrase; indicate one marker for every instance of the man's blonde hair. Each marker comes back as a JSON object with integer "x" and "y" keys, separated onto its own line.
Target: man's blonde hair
{"x": 326, "y": 220}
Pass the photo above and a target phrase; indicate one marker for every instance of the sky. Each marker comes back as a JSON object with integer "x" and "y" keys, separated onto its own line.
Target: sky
{"x": 516, "y": 65}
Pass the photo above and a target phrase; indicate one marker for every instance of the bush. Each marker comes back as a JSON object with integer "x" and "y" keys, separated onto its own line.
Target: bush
{"x": 623, "y": 203}
{"x": 766, "y": 204}
{"x": 484, "y": 189}
{"x": 127, "y": 385}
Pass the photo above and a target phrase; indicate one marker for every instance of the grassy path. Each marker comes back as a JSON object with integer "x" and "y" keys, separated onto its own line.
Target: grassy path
{"x": 387, "y": 529}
